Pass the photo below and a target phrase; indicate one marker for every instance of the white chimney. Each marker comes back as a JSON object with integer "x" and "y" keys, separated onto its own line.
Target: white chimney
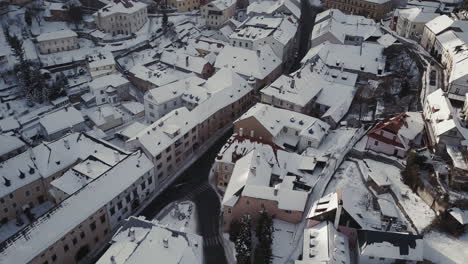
{"x": 275, "y": 192}
{"x": 66, "y": 143}
{"x": 241, "y": 131}
{"x": 88, "y": 167}
{"x": 166, "y": 243}
{"x": 116, "y": 156}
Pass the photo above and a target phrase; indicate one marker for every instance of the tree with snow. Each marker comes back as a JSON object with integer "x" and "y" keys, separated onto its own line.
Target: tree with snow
{"x": 243, "y": 242}
{"x": 28, "y": 17}
{"x": 264, "y": 232}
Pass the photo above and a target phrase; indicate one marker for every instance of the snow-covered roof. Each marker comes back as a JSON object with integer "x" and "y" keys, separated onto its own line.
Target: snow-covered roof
{"x": 386, "y": 40}
{"x": 31, "y": 241}
{"x": 104, "y": 114}
{"x": 322, "y": 243}
{"x": 417, "y": 15}
{"x": 258, "y": 64}
{"x": 134, "y": 108}
{"x": 387, "y": 207}
{"x": 164, "y": 132}
{"x": 68, "y": 117}
{"x": 251, "y": 176}
{"x": 274, "y": 120}
{"x": 158, "y": 74}
{"x": 113, "y": 80}
{"x": 315, "y": 81}
{"x": 9, "y": 143}
{"x": 51, "y": 157}
{"x": 147, "y": 241}
{"x": 441, "y": 115}
{"x": 184, "y": 61}
{"x": 460, "y": 215}
{"x": 17, "y": 172}
{"x": 340, "y": 25}
{"x": 439, "y": 24}
{"x": 56, "y": 35}
{"x": 132, "y": 130}
{"x": 390, "y": 245}
{"x": 189, "y": 89}
{"x": 221, "y": 5}
{"x": 367, "y": 57}
{"x": 121, "y": 7}
{"x": 273, "y": 7}
{"x": 458, "y": 157}
{"x": 8, "y": 124}
{"x": 100, "y": 59}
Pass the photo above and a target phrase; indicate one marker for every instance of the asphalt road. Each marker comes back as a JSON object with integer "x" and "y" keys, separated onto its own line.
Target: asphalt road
{"x": 193, "y": 185}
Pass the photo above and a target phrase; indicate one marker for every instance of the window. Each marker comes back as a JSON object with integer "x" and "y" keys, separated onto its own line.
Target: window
{"x": 103, "y": 218}
{"x": 119, "y": 205}
{"x": 159, "y": 166}
{"x": 54, "y": 258}
{"x": 160, "y": 175}
{"x": 168, "y": 149}
{"x": 74, "y": 241}
{"x": 169, "y": 158}
{"x": 105, "y": 231}
{"x": 150, "y": 180}
{"x": 143, "y": 185}
{"x": 371, "y": 257}
{"x": 127, "y": 198}
{"x": 112, "y": 210}
{"x": 38, "y": 188}
{"x": 82, "y": 235}
{"x": 96, "y": 239}
{"x": 229, "y": 210}
{"x": 65, "y": 248}
{"x": 151, "y": 106}
{"x": 2, "y": 200}
{"x": 93, "y": 226}
{"x": 285, "y": 129}
{"x": 28, "y": 193}
{"x": 376, "y": 143}
{"x": 158, "y": 157}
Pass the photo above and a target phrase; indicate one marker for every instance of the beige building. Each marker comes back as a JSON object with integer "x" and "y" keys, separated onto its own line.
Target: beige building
{"x": 217, "y": 12}
{"x": 376, "y": 9}
{"x": 101, "y": 64}
{"x": 122, "y": 17}
{"x": 184, "y": 5}
{"x": 82, "y": 224}
{"x": 411, "y": 22}
{"x": 57, "y": 41}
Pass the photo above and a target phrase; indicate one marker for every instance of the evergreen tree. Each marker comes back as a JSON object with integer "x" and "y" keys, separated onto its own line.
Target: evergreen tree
{"x": 410, "y": 174}
{"x": 28, "y": 17}
{"x": 264, "y": 233}
{"x": 234, "y": 230}
{"x": 76, "y": 14}
{"x": 243, "y": 241}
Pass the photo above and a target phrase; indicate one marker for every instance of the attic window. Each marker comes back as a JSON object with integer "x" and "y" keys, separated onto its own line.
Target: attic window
{"x": 58, "y": 161}
{"x": 21, "y": 175}
{"x": 31, "y": 170}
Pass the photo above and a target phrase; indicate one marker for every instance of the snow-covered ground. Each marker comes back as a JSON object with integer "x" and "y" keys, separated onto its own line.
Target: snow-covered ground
{"x": 419, "y": 212}
{"x": 179, "y": 216}
{"x": 444, "y": 249}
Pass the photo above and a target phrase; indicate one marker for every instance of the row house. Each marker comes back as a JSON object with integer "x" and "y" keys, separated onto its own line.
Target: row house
{"x": 27, "y": 177}
{"x": 11, "y": 146}
{"x": 184, "y": 5}
{"x": 183, "y": 130}
{"x": 83, "y": 223}
{"x": 101, "y": 64}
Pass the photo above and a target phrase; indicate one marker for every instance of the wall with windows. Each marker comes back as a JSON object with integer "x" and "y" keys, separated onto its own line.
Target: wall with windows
{"x": 58, "y": 45}
{"x": 83, "y": 239}
{"x": 122, "y": 23}
{"x": 372, "y": 9}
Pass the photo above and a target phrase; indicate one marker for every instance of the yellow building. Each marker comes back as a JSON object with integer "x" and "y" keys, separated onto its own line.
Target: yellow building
{"x": 185, "y": 5}
{"x": 376, "y": 9}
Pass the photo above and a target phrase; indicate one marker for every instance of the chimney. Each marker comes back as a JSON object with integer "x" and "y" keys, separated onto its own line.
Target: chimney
{"x": 88, "y": 167}
{"x": 66, "y": 143}
{"x": 275, "y": 191}
{"x": 241, "y": 132}
{"x": 166, "y": 243}
{"x": 186, "y": 61}
{"x": 116, "y": 156}
{"x": 338, "y": 212}
{"x": 131, "y": 234}
{"x": 292, "y": 83}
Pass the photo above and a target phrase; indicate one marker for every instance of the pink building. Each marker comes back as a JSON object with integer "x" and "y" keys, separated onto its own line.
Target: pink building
{"x": 397, "y": 135}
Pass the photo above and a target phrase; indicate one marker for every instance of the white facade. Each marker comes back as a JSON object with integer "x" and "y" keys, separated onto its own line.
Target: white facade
{"x": 122, "y": 17}
{"x": 411, "y": 22}
{"x": 109, "y": 89}
{"x": 58, "y": 41}
{"x": 217, "y": 12}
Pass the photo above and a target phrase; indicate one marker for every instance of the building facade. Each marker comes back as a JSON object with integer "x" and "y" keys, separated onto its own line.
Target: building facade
{"x": 58, "y": 41}
{"x": 376, "y": 9}
{"x": 216, "y": 13}
{"x": 122, "y": 17}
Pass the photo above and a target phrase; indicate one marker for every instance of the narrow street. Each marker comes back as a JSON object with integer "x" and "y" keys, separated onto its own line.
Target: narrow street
{"x": 193, "y": 185}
